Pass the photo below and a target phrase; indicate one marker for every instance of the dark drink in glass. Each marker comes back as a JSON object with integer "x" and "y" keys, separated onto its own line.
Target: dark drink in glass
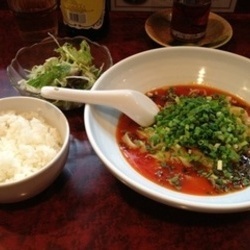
{"x": 189, "y": 19}
{"x": 35, "y": 18}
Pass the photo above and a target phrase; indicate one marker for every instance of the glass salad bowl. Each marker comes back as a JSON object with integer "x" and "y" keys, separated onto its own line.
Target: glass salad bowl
{"x": 63, "y": 62}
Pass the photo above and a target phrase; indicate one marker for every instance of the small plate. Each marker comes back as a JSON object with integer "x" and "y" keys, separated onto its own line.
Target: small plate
{"x": 157, "y": 26}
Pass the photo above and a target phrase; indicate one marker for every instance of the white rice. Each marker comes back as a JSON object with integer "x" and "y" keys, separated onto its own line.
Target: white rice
{"x": 27, "y": 143}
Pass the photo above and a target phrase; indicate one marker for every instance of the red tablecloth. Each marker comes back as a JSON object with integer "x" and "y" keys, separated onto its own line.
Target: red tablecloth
{"x": 87, "y": 207}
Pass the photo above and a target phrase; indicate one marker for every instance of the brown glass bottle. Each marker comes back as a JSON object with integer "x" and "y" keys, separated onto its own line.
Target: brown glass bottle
{"x": 189, "y": 19}
{"x": 86, "y": 18}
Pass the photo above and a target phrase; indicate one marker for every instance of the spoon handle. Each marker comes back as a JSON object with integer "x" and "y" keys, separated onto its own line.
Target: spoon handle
{"x": 134, "y": 104}
{"x": 101, "y": 97}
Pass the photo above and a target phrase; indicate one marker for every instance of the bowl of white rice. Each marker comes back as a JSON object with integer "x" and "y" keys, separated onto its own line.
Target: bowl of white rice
{"x": 34, "y": 145}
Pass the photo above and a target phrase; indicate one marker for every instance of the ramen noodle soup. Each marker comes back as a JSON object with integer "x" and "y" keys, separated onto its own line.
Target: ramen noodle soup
{"x": 199, "y": 143}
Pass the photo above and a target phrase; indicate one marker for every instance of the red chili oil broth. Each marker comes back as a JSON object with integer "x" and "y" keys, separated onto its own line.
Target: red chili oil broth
{"x": 148, "y": 166}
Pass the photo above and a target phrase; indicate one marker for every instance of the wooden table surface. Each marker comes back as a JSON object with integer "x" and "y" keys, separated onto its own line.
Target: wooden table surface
{"x": 87, "y": 207}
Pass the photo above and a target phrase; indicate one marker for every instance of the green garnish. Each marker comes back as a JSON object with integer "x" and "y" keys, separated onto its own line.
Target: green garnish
{"x": 204, "y": 123}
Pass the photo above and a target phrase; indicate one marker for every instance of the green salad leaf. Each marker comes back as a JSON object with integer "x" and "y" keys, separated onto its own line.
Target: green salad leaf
{"x": 73, "y": 68}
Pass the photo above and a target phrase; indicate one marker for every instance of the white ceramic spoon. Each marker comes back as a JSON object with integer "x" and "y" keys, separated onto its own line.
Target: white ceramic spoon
{"x": 134, "y": 104}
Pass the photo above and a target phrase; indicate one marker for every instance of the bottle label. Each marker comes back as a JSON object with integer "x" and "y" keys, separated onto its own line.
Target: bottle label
{"x": 187, "y": 37}
{"x": 82, "y": 14}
